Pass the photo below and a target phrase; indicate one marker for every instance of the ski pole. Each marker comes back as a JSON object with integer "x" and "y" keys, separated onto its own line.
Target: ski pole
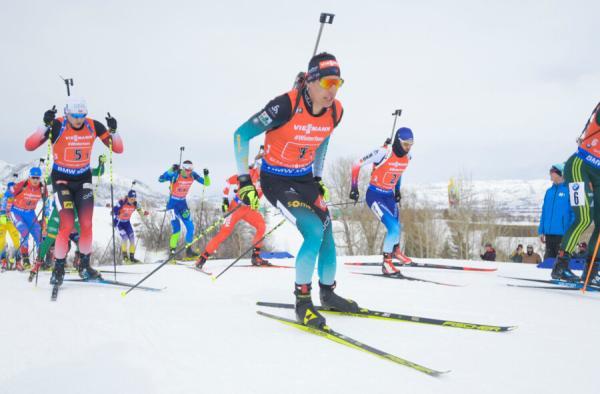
{"x": 112, "y": 202}
{"x": 181, "y": 149}
{"x": 105, "y": 249}
{"x": 323, "y": 19}
{"x": 338, "y": 204}
{"x": 207, "y": 230}
{"x": 592, "y": 262}
{"x": 214, "y": 278}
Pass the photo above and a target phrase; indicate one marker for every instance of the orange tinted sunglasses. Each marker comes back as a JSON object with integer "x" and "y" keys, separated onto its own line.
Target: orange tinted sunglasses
{"x": 331, "y": 82}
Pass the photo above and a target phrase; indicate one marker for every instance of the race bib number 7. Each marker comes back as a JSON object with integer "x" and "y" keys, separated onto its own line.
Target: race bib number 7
{"x": 577, "y": 194}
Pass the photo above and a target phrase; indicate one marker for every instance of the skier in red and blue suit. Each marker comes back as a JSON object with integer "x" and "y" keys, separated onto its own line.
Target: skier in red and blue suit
{"x": 181, "y": 180}
{"x": 383, "y": 194}
{"x": 26, "y": 196}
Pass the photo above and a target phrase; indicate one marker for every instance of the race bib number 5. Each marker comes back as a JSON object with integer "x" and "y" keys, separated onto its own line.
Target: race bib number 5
{"x": 577, "y": 194}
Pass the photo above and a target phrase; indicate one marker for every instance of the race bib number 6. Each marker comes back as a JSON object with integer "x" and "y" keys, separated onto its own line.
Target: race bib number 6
{"x": 577, "y": 194}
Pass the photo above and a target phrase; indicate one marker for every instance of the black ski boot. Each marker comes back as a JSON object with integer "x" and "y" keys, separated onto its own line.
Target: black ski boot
{"x": 86, "y": 272}
{"x": 306, "y": 313}
{"x": 202, "y": 260}
{"x": 132, "y": 258}
{"x": 561, "y": 270}
{"x": 189, "y": 253}
{"x": 125, "y": 257}
{"x": 58, "y": 273}
{"x": 257, "y": 260}
{"x": 330, "y": 300}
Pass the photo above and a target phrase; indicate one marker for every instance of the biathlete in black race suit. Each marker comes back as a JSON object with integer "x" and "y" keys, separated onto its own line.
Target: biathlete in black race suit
{"x": 298, "y": 125}
{"x": 72, "y": 138}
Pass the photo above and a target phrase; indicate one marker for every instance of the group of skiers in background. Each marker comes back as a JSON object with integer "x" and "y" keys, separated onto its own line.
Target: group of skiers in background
{"x": 297, "y": 126}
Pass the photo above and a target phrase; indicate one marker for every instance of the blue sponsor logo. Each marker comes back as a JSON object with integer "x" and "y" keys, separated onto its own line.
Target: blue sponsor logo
{"x": 285, "y": 171}
{"x": 588, "y": 158}
{"x": 71, "y": 171}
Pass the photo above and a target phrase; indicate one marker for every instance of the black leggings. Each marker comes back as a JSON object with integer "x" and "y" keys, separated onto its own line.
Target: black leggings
{"x": 69, "y": 195}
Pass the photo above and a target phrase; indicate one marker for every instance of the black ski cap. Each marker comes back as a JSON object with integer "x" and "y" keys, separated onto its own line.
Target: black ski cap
{"x": 322, "y": 65}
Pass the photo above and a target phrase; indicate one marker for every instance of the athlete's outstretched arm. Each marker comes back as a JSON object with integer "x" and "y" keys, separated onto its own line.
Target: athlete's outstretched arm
{"x": 373, "y": 157}
{"x": 241, "y": 142}
{"x": 204, "y": 181}
{"x": 36, "y": 139}
{"x": 276, "y": 112}
{"x": 168, "y": 176}
{"x": 106, "y": 136}
{"x": 41, "y": 135}
{"x": 117, "y": 142}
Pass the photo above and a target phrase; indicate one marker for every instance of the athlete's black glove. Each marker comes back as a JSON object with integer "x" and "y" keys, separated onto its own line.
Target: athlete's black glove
{"x": 175, "y": 168}
{"x": 354, "y": 194}
{"x": 111, "y": 123}
{"x": 397, "y": 196}
{"x": 49, "y": 116}
{"x": 225, "y": 205}
{"x": 205, "y": 171}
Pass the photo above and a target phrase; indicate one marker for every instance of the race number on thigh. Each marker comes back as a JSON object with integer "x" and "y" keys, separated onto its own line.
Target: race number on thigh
{"x": 577, "y": 194}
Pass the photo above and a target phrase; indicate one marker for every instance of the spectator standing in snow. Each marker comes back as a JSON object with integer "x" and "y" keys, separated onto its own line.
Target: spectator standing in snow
{"x": 557, "y": 214}
{"x": 517, "y": 255}
{"x": 489, "y": 254}
{"x": 531, "y": 257}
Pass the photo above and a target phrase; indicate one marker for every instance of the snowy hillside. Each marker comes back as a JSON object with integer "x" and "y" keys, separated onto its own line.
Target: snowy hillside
{"x": 196, "y": 336}
{"x": 513, "y": 196}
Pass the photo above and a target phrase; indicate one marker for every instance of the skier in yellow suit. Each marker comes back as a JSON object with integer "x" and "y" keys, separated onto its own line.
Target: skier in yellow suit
{"x": 7, "y": 226}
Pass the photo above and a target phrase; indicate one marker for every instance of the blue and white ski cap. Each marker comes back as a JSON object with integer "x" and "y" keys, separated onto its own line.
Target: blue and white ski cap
{"x": 405, "y": 134}
{"x": 76, "y": 105}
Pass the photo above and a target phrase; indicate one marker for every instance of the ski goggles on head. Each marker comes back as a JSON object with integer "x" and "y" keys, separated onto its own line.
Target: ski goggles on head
{"x": 78, "y": 116}
{"x": 328, "y": 83}
{"x": 187, "y": 166}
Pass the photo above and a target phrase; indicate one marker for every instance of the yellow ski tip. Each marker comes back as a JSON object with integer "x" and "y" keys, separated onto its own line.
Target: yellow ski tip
{"x": 123, "y": 293}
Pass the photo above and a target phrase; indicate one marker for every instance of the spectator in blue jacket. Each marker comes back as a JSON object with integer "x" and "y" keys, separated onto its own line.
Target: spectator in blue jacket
{"x": 557, "y": 214}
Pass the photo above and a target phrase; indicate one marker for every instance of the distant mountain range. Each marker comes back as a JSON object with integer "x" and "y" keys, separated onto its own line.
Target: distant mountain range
{"x": 515, "y": 197}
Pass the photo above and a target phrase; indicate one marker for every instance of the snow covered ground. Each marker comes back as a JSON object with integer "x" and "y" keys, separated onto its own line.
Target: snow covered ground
{"x": 197, "y": 336}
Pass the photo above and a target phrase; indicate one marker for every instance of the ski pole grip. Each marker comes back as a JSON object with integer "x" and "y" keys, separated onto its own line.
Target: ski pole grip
{"x": 326, "y": 18}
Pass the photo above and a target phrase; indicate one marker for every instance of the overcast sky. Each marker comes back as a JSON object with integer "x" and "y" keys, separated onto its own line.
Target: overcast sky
{"x": 493, "y": 89}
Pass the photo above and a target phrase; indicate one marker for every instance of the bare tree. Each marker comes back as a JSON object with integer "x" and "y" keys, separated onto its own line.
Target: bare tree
{"x": 423, "y": 230}
{"x": 361, "y": 231}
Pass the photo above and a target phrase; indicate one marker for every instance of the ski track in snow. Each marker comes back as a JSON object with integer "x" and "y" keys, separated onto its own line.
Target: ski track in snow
{"x": 198, "y": 336}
